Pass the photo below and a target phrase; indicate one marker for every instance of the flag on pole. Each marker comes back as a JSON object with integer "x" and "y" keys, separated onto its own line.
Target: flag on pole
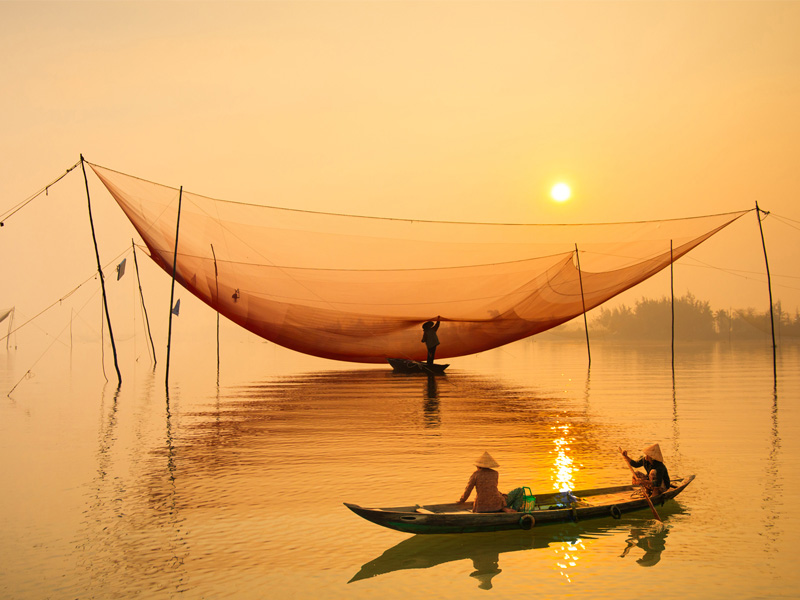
{"x": 121, "y": 269}
{"x": 177, "y": 308}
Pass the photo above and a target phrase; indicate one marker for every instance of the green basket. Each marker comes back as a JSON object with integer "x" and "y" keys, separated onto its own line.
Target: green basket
{"x": 528, "y": 500}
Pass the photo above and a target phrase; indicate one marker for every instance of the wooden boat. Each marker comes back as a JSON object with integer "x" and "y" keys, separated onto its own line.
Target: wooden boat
{"x": 549, "y": 508}
{"x": 429, "y": 551}
{"x": 406, "y": 365}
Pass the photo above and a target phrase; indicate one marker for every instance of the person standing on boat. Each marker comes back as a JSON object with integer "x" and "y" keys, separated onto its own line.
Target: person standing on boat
{"x": 656, "y": 470}
{"x": 429, "y": 338}
{"x": 487, "y": 495}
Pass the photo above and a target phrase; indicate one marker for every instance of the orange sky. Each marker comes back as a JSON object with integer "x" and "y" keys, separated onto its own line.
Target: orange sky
{"x": 464, "y": 111}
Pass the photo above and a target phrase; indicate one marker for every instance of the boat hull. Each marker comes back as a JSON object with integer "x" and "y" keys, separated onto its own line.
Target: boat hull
{"x": 406, "y": 365}
{"x": 457, "y": 518}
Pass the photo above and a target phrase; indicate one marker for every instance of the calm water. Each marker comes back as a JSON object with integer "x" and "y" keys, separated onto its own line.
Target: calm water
{"x": 234, "y": 489}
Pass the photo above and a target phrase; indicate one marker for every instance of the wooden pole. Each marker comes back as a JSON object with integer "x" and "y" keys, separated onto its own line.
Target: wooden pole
{"x": 672, "y": 302}
{"x": 216, "y": 299}
{"x": 172, "y": 292}
{"x": 100, "y": 270}
{"x": 769, "y": 288}
{"x": 144, "y": 308}
{"x": 583, "y": 303}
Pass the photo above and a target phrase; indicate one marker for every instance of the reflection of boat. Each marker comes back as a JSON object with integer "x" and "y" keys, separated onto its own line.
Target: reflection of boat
{"x": 424, "y": 552}
{"x": 550, "y": 508}
{"x": 405, "y": 365}
{"x": 427, "y": 551}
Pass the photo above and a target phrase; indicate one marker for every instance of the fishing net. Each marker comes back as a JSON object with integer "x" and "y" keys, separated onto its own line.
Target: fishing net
{"x": 359, "y": 288}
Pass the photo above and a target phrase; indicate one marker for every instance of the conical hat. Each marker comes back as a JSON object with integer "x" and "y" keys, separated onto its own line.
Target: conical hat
{"x": 654, "y": 452}
{"x": 485, "y": 577}
{"x": 486, "y": 461}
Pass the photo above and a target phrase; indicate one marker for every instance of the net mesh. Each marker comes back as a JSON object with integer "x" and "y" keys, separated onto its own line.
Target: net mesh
{"x": 359, "y": 288}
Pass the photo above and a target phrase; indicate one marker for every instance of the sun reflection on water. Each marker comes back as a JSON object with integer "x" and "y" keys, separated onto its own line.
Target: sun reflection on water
{"x": 567, "y": 557}
{"x": 563, "y": 466}
{"x": 563, "y": 472}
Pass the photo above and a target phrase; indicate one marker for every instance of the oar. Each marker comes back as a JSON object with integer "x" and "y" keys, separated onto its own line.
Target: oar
{"x": 644, "y": 489}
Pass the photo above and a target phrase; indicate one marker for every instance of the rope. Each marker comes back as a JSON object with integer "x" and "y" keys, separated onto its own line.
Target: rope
{"x": 332, "y": 214}
{"x": 785, "y": 220}
{"x": 15, "y": 209}
{"x": 64, "y": 297}
{"x": 57, "y": 338}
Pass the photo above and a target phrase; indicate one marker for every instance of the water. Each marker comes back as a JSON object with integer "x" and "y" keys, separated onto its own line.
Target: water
{"x": 235, "y": 490}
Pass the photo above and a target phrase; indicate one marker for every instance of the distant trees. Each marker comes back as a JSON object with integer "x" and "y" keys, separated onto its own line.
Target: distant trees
{"x": 694, "y": 320}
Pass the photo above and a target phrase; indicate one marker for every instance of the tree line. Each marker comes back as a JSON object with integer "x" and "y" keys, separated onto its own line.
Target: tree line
{"x": 694, "y": 320}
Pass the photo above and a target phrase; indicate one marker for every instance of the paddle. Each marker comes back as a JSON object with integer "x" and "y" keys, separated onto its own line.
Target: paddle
{"x": 644, "y": 489}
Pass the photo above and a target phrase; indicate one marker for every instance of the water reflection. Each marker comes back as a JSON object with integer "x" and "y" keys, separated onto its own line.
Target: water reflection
{"x": 485, "y": 550}
{"x": 651, "y": 538}
{"x": 427, "y": 551}
{"x": 124, "y": 509}
{"x": 773, "y": 492}
{"x": 431, "y": 403}
{"x": 563, "y": 468}
{"x": 320, "y": 437}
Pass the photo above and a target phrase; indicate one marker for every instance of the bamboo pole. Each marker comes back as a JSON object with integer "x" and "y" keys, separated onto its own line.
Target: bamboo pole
{"x": 144, "y": 308}
{"x": 769, "y": 288}
{"x": 583, "y": 303}
{"x": 172, "y": 291}
{"x": 216, "y": 299}
{"x": 100, "y": 271}
{"x": 672, "y": 302}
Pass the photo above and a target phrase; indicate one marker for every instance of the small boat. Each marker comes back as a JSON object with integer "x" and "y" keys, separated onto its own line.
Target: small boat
{"x": 549, "y": 508}
{"x": 406, "y": 365}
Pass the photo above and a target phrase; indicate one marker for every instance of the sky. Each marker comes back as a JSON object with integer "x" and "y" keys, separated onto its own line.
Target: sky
{"x": 461, "y": 111}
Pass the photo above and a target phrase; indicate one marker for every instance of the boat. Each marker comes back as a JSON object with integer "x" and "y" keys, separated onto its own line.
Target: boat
{"x": 406, "y": 365}
{"x": 549, "y": 508}
{"x": 430, "y": 551}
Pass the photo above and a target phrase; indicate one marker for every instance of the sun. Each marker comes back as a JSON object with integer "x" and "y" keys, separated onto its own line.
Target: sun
{"x": 560, "y": 192}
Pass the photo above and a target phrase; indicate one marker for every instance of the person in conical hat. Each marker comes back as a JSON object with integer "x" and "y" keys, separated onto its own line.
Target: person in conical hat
{"x": 656, "y": 476}
{"x": 484, "y": 480}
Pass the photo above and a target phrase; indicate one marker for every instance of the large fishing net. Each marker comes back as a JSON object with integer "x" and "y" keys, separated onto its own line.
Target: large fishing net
{"x": 359, "y": 288}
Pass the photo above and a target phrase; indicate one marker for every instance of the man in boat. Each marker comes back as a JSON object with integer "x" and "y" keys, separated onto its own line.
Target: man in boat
{"x": 487, "y": 495}
{"x": 656, "y": 476}
{"x": 429, "y": 338}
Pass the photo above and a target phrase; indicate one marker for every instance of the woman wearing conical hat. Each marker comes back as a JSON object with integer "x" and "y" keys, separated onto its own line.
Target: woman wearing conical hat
{"x": 485, "y": 478}
{"x": 656, "y": 471}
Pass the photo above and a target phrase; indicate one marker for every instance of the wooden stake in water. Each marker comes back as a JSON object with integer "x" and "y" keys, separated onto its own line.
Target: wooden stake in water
{"x": 172, "y": 292}
{"x": 672, "y": 304}
{"x": 769, "y": 288}
{"x": 144, "y": 308}
{"x": 102, "y": 279}
{"x": 583, "y": 303}
{"x": 216, "y": 300}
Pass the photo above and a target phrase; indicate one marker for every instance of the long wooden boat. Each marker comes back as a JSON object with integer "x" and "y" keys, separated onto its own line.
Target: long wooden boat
{"x": 549, "y": 508}
{"x": 428, "y": 551}
{"x": 406, "y": 365}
